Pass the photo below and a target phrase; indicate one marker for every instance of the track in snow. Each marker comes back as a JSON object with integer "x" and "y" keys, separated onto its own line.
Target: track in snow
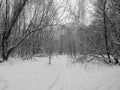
{"x": 38, "y": 75}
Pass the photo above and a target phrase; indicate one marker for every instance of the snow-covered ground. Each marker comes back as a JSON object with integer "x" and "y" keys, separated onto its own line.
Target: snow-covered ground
{"x": 60, "y": 75}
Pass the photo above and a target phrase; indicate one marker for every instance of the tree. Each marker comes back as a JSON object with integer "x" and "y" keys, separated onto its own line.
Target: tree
{"x": 43, "y": 15}
{"x": 101, "y": 15}
{"x": 106, "y": 15}
{"x": 48, "y": 43}
{"x": 9, "y": 24}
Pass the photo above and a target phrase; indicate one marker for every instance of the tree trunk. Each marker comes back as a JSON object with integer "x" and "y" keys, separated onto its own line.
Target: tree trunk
{"x": 49, "y": 59}
{"x": 4, "y": 50}
{"x": 105, "y": 34}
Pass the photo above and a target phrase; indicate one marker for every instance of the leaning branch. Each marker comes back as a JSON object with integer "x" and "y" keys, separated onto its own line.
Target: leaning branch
{"x": 24, "y": 37}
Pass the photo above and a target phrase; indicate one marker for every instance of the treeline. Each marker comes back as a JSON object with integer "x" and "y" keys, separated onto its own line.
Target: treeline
{"x": 30, "y": 27}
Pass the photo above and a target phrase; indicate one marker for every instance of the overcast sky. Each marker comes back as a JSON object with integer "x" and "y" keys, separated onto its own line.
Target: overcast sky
{"x": 88, "y": 7}
{"x": 63, "y": 12}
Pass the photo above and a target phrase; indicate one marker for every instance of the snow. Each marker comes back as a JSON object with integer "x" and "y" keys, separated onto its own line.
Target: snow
{"x": 60, "y": 75}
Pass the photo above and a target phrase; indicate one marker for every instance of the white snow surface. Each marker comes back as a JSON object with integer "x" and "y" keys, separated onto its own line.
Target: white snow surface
{"x": 60, "y": 75}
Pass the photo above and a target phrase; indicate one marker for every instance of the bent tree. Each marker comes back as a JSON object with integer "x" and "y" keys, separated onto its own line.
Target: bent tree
{"x": 9, "y": 24}
{"x": 43, "y": 15}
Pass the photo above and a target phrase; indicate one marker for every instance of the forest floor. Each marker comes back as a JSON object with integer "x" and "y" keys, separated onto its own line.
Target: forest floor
{"x": 60, "y": 75}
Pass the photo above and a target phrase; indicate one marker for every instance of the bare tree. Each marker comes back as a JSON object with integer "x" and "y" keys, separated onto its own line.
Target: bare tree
{"x": 43, "y": 15}
{"x": 106, "y": 15}
{"x": 9, "y": 24}
{"x": 49, "y": 42}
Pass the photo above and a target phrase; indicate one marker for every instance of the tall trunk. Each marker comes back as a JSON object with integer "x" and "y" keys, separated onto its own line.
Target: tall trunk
{"x": 105, "y": 34}
{"x": 4, "y": 44}
{"x": 61, "y": 47}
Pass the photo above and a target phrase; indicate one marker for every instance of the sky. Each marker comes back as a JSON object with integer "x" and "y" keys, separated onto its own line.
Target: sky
{"x": 64, "y": 12}
{"x": 88, "y": 7}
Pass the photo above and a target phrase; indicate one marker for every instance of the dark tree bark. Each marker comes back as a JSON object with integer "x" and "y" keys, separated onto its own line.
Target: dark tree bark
{"x": 8, "y": 28}
{"x": 105, "y": 30}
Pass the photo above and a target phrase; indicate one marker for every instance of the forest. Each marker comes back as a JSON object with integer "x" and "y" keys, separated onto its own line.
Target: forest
{"x": 34, "y": 27}
{"x": 59, "y": 44}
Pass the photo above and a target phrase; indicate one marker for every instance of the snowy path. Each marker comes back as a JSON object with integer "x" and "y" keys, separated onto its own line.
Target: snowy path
{"x": 38, "y": 75}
